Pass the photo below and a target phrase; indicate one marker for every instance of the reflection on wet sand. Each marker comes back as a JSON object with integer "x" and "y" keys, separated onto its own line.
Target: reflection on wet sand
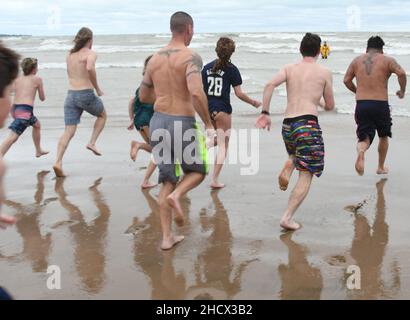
{"x": 153, "y": 262}
{"x": 89, "y": 239}
{"x": 368, "y": 251}
{"x": 214, "y": 267}
{"x": 300, "y": 280}
{"x": 36, "y": 247}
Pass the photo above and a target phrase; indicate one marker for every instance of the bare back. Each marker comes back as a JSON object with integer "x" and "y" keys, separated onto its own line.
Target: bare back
{"x": 305, "y": 84}
{"x": 26, "y": 88}
{"x": 168, "y": 72}
{"x": 78, "y": 75}
{"x": 372, "y": 71}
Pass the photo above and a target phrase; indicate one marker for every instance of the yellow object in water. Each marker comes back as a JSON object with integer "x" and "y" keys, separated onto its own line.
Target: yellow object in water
{"x": 325, "y": 51}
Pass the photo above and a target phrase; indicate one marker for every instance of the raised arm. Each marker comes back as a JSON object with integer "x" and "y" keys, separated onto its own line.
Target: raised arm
{"x": 349, "y": 76}
{"x": 91, "y": 60}
{"x": 245, "y": 98}
{"x": 196, "y": 88}
{"x": 328, "y": 94}
{"x": 401, "y": 76}
{"x": 40, "y": 89}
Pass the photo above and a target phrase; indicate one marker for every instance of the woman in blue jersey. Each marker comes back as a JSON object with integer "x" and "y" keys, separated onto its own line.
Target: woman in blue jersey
{"x": 218, "y": 78}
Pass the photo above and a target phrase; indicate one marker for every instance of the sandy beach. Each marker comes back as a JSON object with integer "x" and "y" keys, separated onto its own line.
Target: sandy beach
{"x": 104, "y": 233}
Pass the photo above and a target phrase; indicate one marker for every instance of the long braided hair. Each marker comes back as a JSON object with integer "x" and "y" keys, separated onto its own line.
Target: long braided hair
{"x": 225, "y": 47}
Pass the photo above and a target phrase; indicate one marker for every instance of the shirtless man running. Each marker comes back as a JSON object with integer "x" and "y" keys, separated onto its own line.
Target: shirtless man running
{"x": 372, "y": 71}
{"x": 306, "y": 84}
{"x": 81, "y": 97}
{"x": 173, "y": 83}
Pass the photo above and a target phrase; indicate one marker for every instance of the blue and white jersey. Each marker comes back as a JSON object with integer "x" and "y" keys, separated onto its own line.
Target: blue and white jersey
{"x": 218, "y": 85}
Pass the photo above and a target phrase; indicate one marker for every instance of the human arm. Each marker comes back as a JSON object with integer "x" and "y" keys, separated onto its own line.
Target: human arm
{"x": 40, "y": 89}
{"x": 147, "y": 91}
{"x": 401, "y": 76}
{"x": 245, "y": 98}
{"x": 349, "y": 76}
{"x": 196, "y": 89}
{"x": 264, "y": 120}
{"x": 91, "y": 60}
{"x": 328, "y": 94}
{"x": 131, "y": 113}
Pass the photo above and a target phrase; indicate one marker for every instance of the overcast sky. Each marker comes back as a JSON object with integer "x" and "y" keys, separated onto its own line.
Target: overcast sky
{"x": 46, "y": 17}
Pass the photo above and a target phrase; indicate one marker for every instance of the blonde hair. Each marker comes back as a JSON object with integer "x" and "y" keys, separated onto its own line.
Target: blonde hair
{"x": 81, "y": 39}
{"x": 28, "y": 65}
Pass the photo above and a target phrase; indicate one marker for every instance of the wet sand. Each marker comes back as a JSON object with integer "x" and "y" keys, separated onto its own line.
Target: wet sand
{"x": 104, "y": 233}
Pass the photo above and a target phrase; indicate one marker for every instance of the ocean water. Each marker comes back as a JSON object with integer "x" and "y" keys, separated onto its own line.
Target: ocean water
{"x": 258, "y": 56}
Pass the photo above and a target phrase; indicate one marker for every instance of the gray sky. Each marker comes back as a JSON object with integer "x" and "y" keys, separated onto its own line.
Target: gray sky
{"x": 46, "y": 17}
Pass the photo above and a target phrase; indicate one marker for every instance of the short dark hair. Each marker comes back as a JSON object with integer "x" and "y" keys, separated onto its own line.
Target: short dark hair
{"x": 9, "y": 67}
{"x": 310, "y": 45}
{"x": 375, "y": 42}
{"x": 179, "y": 21}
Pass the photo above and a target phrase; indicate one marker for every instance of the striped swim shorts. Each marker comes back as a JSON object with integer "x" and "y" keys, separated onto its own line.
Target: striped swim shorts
{"x": 303, "y": 140}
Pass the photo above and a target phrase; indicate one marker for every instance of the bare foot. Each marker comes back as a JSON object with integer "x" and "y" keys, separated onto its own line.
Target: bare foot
{"x": 217, "y": 185}
{"x": 172, "y": 242}
{"x": 179, "y": 214}
{"x": 285, "y": 175}
{"x": 58, "y": 171}
{"x": 360, "y": 163}
{"x": 384, "y": 170}
{"x": 135, "y": 146}
{"x": 94, "y": 150}
{"x": 290, "y": 225}
{"x": 41, "y": 153}
{"x": 148, "y": 185}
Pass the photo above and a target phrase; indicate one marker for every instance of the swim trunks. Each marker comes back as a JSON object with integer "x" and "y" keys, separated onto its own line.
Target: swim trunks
{"x": 143, "y": 113}
{"x": 23, "y": 118}
{"x": 303, "y": 140}
{"x": 372, "y": 116}
{"x": 78, "y": 101}
{"x": 177, "y": 143}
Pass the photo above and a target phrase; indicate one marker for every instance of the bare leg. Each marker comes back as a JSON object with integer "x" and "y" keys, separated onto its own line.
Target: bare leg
{"x": 383, "y": 148}
{"x": 223, "y": 123}
{"x": 36, "y": 139}
{"x": 146, "y": 184}
{"x": 62, "y": 147}
{"x": 136, "y": 146}
{"x": 10, "y": 140}
{"x": 286, "y": 173}
{"x": 169, "y": 240}
{"x": 98, "y": 127}
{"x": 296, "y": 198}
{"x": 189, "y": 182}
{"x": 362, "y": 147}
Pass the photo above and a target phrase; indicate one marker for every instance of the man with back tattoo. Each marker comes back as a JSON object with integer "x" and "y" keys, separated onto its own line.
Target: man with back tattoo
{"x": 372, "y": 71}
{"x": 173, "y": 83}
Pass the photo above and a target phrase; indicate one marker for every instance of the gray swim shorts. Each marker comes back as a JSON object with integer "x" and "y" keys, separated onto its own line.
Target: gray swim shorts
{"x": 177, "y": 145}
{"x": 78, "y": 101}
